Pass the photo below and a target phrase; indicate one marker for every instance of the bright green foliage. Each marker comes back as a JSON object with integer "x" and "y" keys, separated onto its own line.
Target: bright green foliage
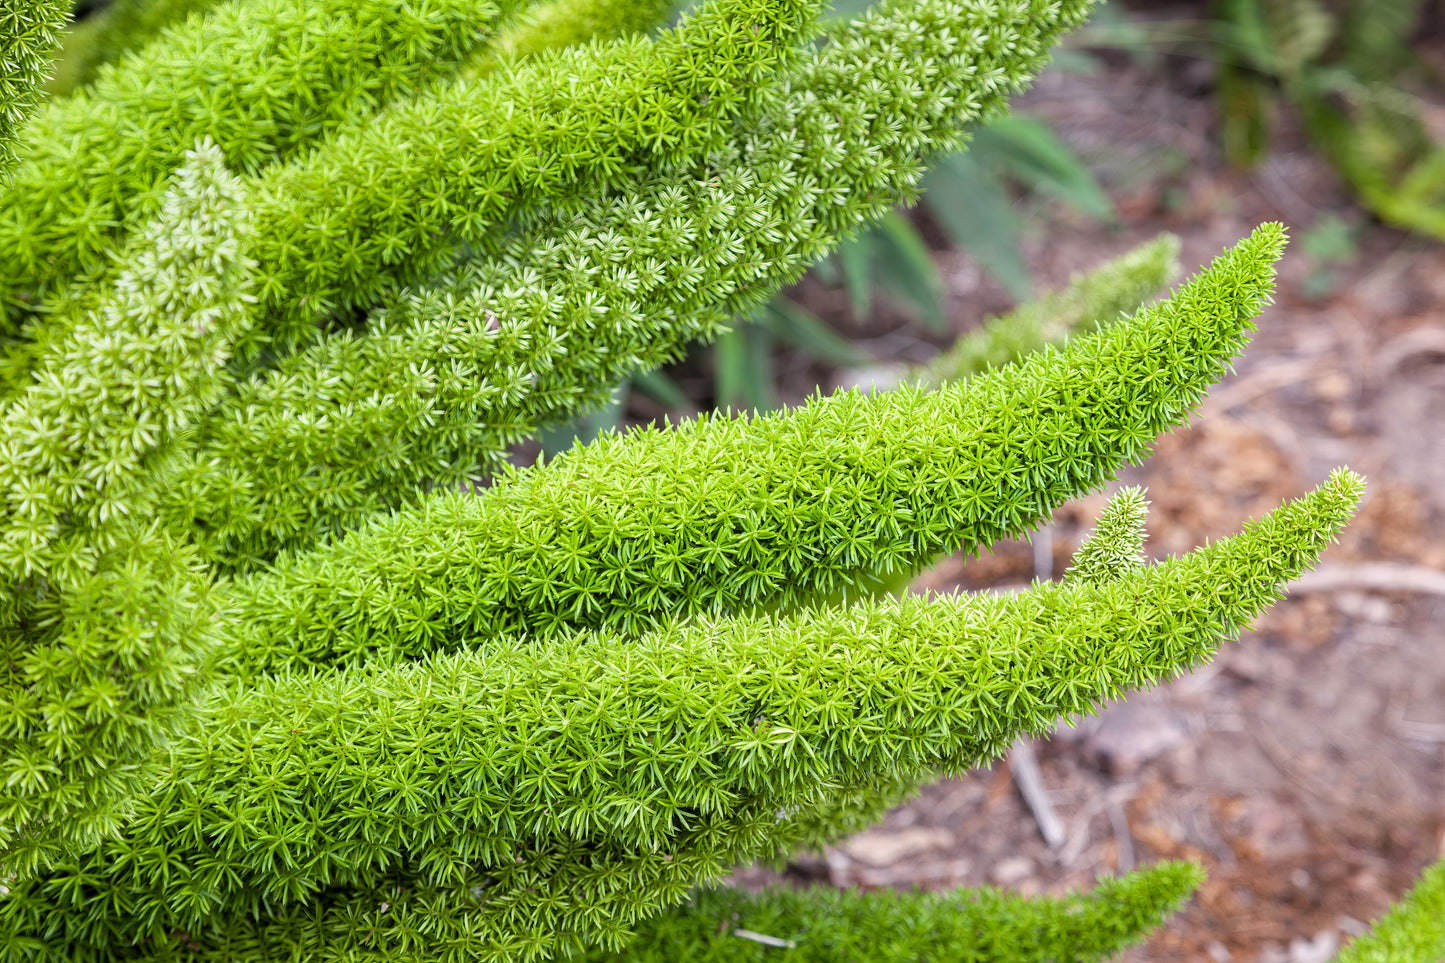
{"x": 127, "y": 25}
{"x": 727, "y": 513}
{"x": 29, "y": 30}
{"x": 113, "y": 386}
{"x": 1412, "y": 932}
{"x": 103, "y": 619}
{"x": 983, "y": 926}
{"x": 447, "y": 376}
{"x": 510, "y": 725}
{"x": 1116, "y": 546}
{"x": 273, "y": 78}
{"x": 664, "y": 759}
{"x": 337, "y": 229}
{"x": 1114, "y": 288}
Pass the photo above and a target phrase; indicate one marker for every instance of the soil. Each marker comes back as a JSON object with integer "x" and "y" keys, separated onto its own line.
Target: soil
{"x": 1305, "y": 768}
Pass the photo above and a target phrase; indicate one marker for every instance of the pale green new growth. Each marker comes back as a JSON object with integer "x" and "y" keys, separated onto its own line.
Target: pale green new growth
{"x": 111, "y": 388}
{"x": 104, "y": 619}
{"x": 29, "y": 31}
{"x": 1098, "y": 297}
{"x": 1116, "y": 545}
{"x": 1412, "y": 932}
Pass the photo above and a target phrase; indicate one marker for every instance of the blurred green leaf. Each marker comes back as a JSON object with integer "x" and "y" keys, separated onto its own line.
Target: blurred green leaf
{"x": 906, "y": 269}
{"x": 1246, "y": 101}
{"x": 662, "y": 389}
{"x": 1068, "y": 61}
{"x": 827, "y": 271}
{"x": 855, "y": 261}
{"x": 585, "y": 428}
{"x": 796, "y": 326}
{"x": 1027, "y": 150}
{"x": 743, "y": 369}
{"x": 848, "y": 9}
{"x": 973, "y": 208}
{"x": 1244, "y": 36}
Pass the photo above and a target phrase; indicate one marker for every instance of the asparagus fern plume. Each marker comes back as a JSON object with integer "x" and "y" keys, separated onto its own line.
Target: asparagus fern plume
{"x": 273, "y": 687}
{"x": 1115, "y": 288}
{"x": 447, "y": 376}
{"x": 96, "y": 164}
{"x": 774, "y": 511}
{"x": 104, "y": 617}
{"x": 1412, "y": 932}
{"x": 665, "y": 758}
{"x": 1116, "y": 546}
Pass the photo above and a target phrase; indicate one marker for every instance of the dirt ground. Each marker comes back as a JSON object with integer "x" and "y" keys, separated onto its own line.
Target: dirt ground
{"x": 1306, "y": 766}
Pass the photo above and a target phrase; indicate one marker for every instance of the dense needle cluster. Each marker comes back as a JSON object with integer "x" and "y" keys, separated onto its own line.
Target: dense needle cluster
{"x": 729, "y": 513}
{"x": 28, "y": 31}
{"x": 96, "y": 165}
{"x": 274, "y": 686}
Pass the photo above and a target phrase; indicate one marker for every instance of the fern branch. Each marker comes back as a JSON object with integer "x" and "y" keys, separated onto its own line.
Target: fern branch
{"x": 453, "y": 374}
{"x": 340, "y": 228}
{"x": 127, "y": 25}
{"x": 779, "y": 510}
{"x": 1412, "y": 932}
{"x": 112, "y": 387}
{"x": 1116, "y": 545}
{"x": 1117, "y": 287}
{"x": 566, "y": 23}
{"x": 96, "y": 164}
{"x": 575, "y": 765}
{"x": 826, "y": 925}
{"x": 104, "y": 619}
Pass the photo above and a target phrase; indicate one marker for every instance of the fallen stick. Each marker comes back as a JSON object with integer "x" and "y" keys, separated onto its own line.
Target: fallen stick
{"x": 1380, "y": 576}
{"x": 1025, "y": 769}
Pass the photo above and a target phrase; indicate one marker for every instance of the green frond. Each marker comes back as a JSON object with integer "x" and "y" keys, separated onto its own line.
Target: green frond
{"x": 1116, "y": 545}
{"x": 104, "y": 618}
{"x": 127, "y": 25}
{"x": 781, "y": 510}
{"x": 110, "y": 388}
{"x": 451, "y": 374}
{"x": 591, "y": 780}
{"x": 97, "y": 674}
{"x": 566, "y": 23}
{"x": 339, "y": 229}
{"x": 1116, "y": 287}
{"x": 272, "y": 687}
{"x": 29, "y": 32}
{"x": 96, "y": 165}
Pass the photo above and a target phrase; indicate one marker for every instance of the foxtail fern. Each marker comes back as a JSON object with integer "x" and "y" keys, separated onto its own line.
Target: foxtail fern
{"x": 283, "y": 286}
